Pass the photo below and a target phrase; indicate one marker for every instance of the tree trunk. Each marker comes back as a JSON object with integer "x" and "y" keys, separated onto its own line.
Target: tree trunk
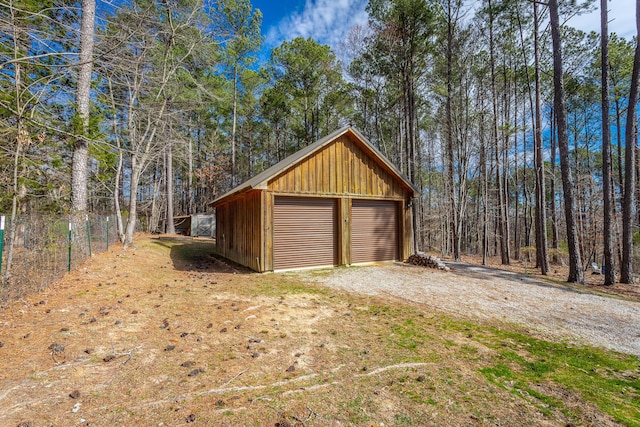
{"x": 576, "y": 273}
{"x": 171, "y": 228}
{"x": 516, "y": 223}
{"x": 156, "y": 187}
{"x": 455, "y": 238}
{"x": 541, "y": 213}
{"x": 485, "y": 178}
{"x": 116, "y": 196}
{"x": 411, "y": 157}
{"x": 637, "y": 175}
{"x": 609, "y": 272}
{"x": 554, "y": 209}
{"x": 626, "y": 269}
{"x": 504, "y": 239}
{"x": 16, "y": 160}
{"x": 79, "y": 166}
{"x": 190, "y": 209}
{"x": 119, "y": 169}
{"x": 505, "y": 168}
{"x": 136, "y": 171}
{"x": 14, "y": 200}
{"x": 233, "y": 126}
{"x": 524, "y": 144}
{"x": 619, "y": 139}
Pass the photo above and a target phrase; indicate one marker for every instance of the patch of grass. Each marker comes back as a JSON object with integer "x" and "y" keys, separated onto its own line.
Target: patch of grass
{"x": 407, "y": 335}
{"x": 497, "y": 373}
{"x": 606, "y": 379}
{"x": 417, "y": 395}
{"x": 543, "y": 402}
{"x": 403, "y": 419}
{"x": 276, "y": 285}
{"x": 532, "y": 368}
{"x": 354, "y": 410}
{"x": 468, "y": 350}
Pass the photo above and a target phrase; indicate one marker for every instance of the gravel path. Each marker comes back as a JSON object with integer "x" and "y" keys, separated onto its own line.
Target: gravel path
{"x": 486, "y": 293}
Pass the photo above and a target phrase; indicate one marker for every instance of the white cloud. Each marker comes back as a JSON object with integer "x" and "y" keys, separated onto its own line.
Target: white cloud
{"x": 621, "y": 19}
{"x": 326, "y": 21}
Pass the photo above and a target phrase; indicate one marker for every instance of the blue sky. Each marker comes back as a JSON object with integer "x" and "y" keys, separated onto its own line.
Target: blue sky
{"x": 329, "y": 21}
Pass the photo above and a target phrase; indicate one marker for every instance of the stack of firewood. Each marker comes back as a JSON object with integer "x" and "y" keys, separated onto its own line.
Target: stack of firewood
{"x": 427, "y": 261}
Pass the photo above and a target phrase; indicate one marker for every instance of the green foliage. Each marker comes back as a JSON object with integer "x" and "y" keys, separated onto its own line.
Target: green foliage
{"x": 93, "y": 131}
{"x": 598, "y": 376}
{"x": 34, "y": 92}
{"x": 238, "y": 26}
{"x": 620, "y": 65}
{"x": 308, "y": 87}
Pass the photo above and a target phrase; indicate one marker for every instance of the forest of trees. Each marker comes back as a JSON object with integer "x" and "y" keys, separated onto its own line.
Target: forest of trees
{"x": 495, "y": 109}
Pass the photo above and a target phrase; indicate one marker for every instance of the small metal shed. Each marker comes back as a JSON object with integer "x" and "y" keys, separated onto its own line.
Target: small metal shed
{"x": 198, "y": 225}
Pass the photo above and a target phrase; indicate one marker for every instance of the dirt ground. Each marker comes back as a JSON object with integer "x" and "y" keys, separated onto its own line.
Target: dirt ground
{"x": 559, "y": 273}
{"x": 166, "y": 334}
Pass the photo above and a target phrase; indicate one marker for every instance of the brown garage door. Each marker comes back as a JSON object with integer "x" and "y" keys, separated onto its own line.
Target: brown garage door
{"x": 304, "y": 232}
{"x": 374, "y": 231}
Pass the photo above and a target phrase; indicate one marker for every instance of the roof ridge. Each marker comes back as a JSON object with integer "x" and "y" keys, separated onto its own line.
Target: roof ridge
{"x": 258, "y": 180}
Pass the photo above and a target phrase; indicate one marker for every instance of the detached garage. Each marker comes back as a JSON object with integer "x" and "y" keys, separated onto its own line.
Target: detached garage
{"x": 338, "y": 201}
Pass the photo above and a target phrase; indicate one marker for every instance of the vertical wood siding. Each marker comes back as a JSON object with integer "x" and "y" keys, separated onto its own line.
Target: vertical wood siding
{"x": 406, "y": 232}
{"x": 340, "y": 168}
{"x": 267, "y": 234}
{"x": 344, "y": 230}
{"x": 238, "y": 232}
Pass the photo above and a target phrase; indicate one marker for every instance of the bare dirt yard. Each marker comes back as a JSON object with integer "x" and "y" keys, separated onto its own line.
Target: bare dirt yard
{"x": 167, "y": 334}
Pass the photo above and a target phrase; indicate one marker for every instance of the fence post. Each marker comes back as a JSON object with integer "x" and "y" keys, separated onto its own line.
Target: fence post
{"x": 69, "y": 255}
{"x": 88, "y": 233}
{"x": 1, "y": 240}
{"x": 107, "y": 233}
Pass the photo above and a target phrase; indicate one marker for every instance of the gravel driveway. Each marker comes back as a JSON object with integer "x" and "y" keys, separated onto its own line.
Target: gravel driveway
{"x": 486, "y": 293}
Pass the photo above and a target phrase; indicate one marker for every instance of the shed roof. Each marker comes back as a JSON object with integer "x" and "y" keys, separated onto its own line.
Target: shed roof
{"x": 260, "y": 181}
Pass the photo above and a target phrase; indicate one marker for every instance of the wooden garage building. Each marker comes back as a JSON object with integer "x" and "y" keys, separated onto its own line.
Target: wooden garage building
{"x": 338, "y": 201}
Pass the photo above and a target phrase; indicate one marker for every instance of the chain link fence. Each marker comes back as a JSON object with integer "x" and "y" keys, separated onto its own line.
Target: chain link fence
{"x": 46, "y": 247}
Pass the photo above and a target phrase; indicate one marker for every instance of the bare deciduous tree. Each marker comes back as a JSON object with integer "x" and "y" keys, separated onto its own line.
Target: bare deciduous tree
{"x": 153, "y": 47}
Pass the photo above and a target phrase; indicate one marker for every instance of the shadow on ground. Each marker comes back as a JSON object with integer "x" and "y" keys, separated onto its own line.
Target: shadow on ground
{"x": 197, "y": 255}
{"x": 488, "y": 273}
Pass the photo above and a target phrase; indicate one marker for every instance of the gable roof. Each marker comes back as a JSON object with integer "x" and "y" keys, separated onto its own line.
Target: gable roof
{"x": 260, "y": 181}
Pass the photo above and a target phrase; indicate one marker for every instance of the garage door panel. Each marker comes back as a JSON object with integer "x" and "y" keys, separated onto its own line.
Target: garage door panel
{"x": 374, "y": 231}
{"x": 304, "y": 232}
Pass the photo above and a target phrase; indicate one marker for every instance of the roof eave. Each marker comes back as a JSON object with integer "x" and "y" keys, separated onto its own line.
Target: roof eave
{"x": 232, "y": 193}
